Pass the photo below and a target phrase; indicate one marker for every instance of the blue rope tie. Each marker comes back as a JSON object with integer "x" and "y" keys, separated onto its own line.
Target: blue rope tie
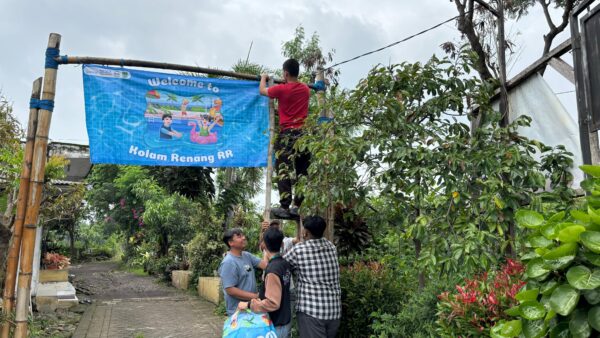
{"x": 51, "y": 53}
{"x": 324, "y": 119}
{"x": 63, "y": 59}
{"x": 47, "y": 105}
{"x": 319, "y": 86}
{"x": 34, "y": 103}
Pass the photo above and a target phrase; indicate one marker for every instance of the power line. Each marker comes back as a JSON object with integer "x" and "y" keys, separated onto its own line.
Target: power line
{"x": 395, "y": 43}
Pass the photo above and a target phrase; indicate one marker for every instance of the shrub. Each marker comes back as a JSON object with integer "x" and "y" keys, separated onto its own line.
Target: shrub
{"x": 563, "y": 278}
{"x": 475, "y": 307}
{"x": 205, "y": 252}
{"x": 416, "y": 317}
{"x": 161, "y": 267}
{"x": 367, "y": 288}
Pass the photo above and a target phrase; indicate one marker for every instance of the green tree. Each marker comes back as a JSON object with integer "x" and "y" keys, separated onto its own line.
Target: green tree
{"x": 396, "y": 137}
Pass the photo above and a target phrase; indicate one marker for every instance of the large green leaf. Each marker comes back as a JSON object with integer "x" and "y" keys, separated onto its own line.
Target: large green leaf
{"x": 529, "y": 218}
{"x": 592, "y": 258}
{"x": 508, "y": 329}
{"x": 593, "y": 215}
{"x": 578, "y": 325}
{"x": 581, "y": 216}
{"x": 539, "y": 242}
{"x": 592, "y": 170}
{"x": 536, "y": 269}
{"x": 526, "y": 295}
{"x": 594, "y": 317}
{"x": 548, "y": 287}
{"x": 582, "y": 278}
{"x": 534, "y": 328}
{"x": 513, "y": 311}
{"x": 560, "y": 257}
{"x": 550, "y": 230}
{"x": 564, "y": 299}
{"x": 591, "y": 240}
{"x": 570, "y": 234}
{"x": 592, "y": 296}
{"x": 557, "y": 217}
{"x": 532, "y": 310}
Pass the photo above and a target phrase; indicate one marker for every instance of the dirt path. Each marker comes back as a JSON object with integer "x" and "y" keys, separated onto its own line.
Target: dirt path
{"x": 126, "y": 305}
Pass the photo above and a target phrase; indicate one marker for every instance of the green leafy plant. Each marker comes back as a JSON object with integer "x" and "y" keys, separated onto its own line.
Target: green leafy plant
{"x": 563, "y": 270}
{"x": 367, "y": 288}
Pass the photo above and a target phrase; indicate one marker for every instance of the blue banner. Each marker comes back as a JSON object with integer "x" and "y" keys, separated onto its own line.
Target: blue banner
{"x": 148, "y": 118}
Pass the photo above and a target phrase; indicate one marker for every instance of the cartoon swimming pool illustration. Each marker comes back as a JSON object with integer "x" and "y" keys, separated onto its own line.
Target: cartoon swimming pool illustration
{"x": 196, "y": 119}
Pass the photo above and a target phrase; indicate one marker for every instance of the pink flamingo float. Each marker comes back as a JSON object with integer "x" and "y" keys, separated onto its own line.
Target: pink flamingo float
{"x": 198, "y": 137}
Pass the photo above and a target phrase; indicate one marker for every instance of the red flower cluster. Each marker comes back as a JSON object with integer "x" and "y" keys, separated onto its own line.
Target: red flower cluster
{"x": 481, "y": 301}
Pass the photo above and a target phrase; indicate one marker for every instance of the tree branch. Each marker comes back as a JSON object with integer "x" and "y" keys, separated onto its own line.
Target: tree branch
{"x": 465, "y": 26}
{"x": 547, "y": 14}
{"x": 555, "y": 30}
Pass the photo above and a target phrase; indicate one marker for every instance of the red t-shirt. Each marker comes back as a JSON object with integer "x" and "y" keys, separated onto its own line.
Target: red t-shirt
{"x": 293, "y": 103}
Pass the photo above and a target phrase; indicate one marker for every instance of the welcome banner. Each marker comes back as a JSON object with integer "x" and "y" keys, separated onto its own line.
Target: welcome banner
{"x": 148, "y": 118}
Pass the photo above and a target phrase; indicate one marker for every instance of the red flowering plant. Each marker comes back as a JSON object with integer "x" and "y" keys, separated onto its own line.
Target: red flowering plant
{"x": 477, "y": 305}
{"x": 56, "y": 261}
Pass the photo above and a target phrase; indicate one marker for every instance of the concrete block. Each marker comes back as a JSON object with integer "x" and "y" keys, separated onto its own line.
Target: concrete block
{"x": 57, "y": 295}
{"x": 47, "y": 276}
{"x": 210, "y": 289}
{"x": 181, "y": 279}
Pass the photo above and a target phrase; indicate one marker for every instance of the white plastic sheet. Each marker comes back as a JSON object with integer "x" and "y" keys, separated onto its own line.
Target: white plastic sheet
{"x": 551, "y": 123}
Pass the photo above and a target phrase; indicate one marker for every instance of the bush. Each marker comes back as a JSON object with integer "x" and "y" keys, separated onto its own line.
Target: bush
{"x": 205, "y": 252}
{"x": 368, "y": 288}
{"x": 161, "y": 267}
{"x": 416, "y": 317}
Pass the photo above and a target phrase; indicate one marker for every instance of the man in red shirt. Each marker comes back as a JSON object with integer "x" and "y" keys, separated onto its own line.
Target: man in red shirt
{"x": 293, "y": 97}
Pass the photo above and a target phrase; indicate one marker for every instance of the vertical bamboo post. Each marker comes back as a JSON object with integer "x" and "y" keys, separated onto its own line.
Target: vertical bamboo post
{"x": 15, "y": 246}
{"x": 35, "y": 195}
{"x": 325, "y": 113}
{"x": 269, "y": 177}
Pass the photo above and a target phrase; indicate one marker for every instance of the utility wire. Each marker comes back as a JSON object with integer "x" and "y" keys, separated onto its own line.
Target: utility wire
{"x": 395, "y": 43}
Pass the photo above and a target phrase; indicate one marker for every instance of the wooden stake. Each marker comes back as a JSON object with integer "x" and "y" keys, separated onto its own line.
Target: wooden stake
{"x": 15, "y": 246}
{"x": 35, "y": 195}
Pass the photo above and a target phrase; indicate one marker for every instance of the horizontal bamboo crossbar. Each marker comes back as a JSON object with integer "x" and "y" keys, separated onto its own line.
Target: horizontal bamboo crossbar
{"x": 158, "y": 65}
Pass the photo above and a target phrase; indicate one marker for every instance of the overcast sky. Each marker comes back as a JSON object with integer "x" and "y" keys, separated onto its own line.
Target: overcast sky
{"x": 214, "y": 33}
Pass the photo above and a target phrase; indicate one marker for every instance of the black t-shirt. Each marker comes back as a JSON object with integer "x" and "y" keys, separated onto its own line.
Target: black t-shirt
{"x": 281, "y": 268}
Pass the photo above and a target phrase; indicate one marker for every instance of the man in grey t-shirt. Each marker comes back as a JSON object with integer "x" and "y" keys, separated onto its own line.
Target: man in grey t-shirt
{"x": 237, "y": 270}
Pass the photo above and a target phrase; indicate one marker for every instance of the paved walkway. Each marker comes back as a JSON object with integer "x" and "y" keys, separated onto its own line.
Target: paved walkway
{"x": 125, "y": 305}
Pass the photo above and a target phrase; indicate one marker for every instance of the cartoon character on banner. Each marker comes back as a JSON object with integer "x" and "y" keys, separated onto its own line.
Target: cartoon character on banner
{"x": 215, "y": 112}
{"x": 166, "y": 131}
{"x": 203, "y": 135}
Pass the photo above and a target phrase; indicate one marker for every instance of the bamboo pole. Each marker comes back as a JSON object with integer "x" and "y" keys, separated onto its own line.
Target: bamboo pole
{"x": 15, "y": 245}
{"x": 330, "y": 212}
{"x": 81, "y": 60}
{"x": 35, "y": 195}
{"x": 269, "y": 177}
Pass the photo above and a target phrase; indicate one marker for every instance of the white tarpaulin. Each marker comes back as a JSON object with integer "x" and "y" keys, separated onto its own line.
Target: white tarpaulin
{"x": 551, "y": 123}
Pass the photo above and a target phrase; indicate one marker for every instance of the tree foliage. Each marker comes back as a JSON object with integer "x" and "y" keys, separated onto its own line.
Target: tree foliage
{"x": 399, "y": 137}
